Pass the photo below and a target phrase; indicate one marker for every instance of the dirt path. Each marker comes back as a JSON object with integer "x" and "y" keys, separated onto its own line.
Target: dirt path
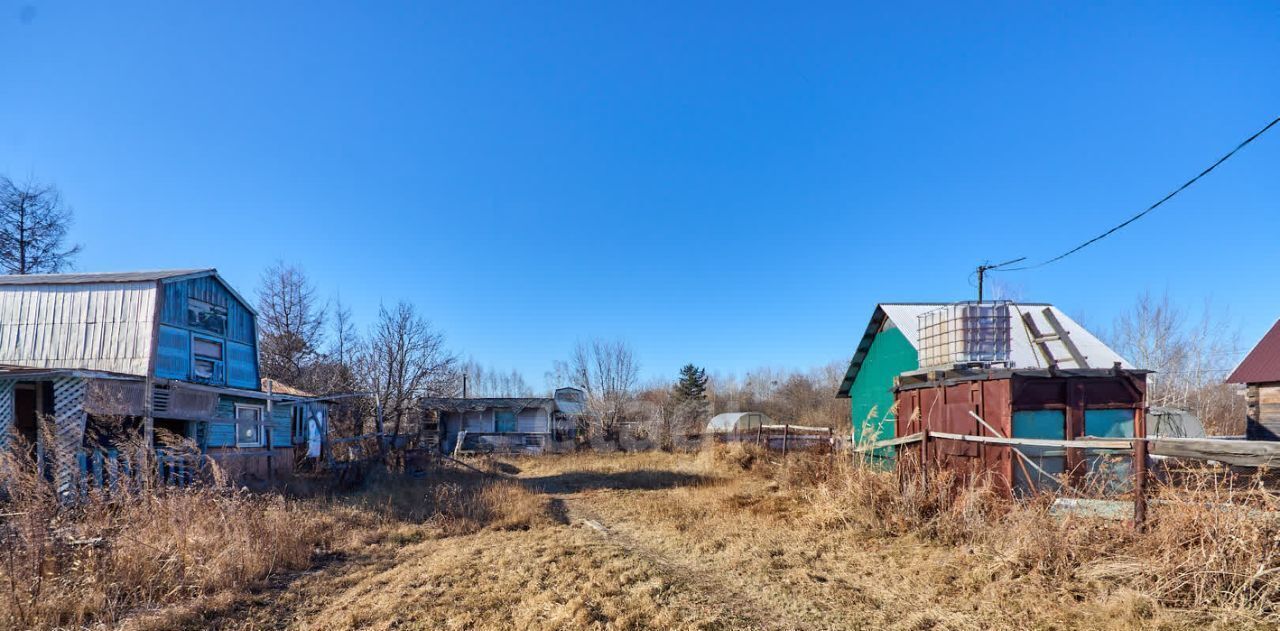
{"x": 704, "y": 586}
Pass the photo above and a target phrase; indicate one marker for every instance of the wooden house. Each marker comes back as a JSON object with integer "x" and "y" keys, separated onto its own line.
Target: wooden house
{"x": 165, "y": 355}
{"x": 507, "y": 424}
{"x": 1259, "y": 372}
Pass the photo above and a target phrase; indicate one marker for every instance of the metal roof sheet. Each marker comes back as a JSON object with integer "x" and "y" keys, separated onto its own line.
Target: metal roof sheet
{"x": 98, "y": 277}
{"x": 1262, "y": 364}
{"x": 1023, "y": 353}
{"x": 456, "y": 404}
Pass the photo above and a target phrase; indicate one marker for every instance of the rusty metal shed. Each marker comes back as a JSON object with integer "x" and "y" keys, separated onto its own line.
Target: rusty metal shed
{"x": 1055, "y": 404}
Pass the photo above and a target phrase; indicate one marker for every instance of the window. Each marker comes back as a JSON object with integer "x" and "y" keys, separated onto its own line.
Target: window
{"x": 206, "y": 317}
{"x": 504, "y": 421}
{"x": 206, "y": 360}
{"x": 249, "y": 429}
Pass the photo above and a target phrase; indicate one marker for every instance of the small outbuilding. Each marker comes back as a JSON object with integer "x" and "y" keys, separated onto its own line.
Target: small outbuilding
{"x": 737, "y": 422}
{"x": 1259, "y": 372}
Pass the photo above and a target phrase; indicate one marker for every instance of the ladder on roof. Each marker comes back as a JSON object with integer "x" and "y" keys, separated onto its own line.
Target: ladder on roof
{"x": 1059, "y": 334}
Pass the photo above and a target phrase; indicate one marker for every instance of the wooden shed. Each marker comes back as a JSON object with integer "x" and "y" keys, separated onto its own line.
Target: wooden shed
{"x": 1259, "y": 372}
{"x": 1057, "y": 404}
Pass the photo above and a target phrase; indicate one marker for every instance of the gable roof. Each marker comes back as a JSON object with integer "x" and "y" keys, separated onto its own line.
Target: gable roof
{"x": 1262, "y": 364}
{"x": 91, "y": 278}
{"x": 1023, "y": 354}
{"x": 101, "y": 277}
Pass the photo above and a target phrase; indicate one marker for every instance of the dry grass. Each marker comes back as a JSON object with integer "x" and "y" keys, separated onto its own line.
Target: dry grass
{"x": 727, "y": 538}
{"x": 156, "y": 557}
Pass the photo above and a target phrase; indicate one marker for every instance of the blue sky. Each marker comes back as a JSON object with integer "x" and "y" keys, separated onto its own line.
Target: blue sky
{"x": 731, "y": 184}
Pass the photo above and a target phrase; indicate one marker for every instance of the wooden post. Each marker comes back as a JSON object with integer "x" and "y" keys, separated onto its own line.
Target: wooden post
{"x": 786, "y": 429}
{"x": 1139, "y": 468}
{"x": 759, "y": 433}
{"x": 924, "y": 460}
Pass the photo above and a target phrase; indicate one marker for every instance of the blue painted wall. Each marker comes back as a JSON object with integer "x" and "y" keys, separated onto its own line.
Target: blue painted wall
{"x": 238, "y": 337}
{"x": 224, "y": 434}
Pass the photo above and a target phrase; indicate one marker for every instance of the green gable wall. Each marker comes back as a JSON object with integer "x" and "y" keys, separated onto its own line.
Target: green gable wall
{"x": 872, "y": 391}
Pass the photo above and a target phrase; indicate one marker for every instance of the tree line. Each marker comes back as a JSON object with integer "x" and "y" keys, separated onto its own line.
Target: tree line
{"x": 313, "y": 344}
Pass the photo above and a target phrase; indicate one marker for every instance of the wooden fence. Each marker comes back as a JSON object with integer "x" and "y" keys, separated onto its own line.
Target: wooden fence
{"x": 1232, "y": 452}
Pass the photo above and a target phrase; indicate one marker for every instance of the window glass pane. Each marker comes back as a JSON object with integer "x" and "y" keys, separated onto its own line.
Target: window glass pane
{"x": 1047, "y": 463}
{"x": 505, "y": 421}
{"x": 248, "y": 413}
{"x": 203, "y": 368}
{"x": 1108, "y": 423}
{"x": 206, "y": 317}
{"x": 248, "y": 434}
{"x": 206, "y": 348}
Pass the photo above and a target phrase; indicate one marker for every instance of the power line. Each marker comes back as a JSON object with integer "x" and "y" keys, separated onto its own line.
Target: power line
{"x": 1152, "y": 207}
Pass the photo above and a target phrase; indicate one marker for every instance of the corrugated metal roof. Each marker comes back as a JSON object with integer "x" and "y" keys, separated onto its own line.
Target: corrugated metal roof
{"x": 1023, "y": 354}
{"x": 1262, "y": 364}
{"x": 455, "y": 404}
{"x": 98, "y": 326}
{"x": 98, "y": 277}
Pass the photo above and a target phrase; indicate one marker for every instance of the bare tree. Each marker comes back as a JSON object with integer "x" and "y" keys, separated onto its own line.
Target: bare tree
{"x": 1190, "y": 359}
{"x": 608, "y": 373}
{"x": 292, "y": 324}
{"x": 486, "y": 382}
{"x": 33, "y": 228}
{"x": 405, "y": 358}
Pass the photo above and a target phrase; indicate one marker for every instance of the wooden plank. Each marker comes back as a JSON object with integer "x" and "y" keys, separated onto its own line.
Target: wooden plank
{"x": 799, "y": 428}
{"x": 1245, "y": 453}
{"x": 1268, "y": 395}
{"x": 1088, "y": 443}
{"x": 892, "y": 442}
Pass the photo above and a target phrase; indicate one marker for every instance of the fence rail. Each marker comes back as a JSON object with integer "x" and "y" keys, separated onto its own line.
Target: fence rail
{"x": 1227, "y": 451}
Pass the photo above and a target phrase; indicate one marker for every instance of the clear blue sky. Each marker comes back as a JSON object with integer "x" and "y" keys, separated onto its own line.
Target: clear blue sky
{"x": 729, "y": 184}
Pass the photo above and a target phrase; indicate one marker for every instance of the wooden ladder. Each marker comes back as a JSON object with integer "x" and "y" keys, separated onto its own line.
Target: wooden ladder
{"x": 1059, "y": 334}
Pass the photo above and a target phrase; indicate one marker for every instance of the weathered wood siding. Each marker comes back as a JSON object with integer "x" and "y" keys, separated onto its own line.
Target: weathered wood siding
{"x": 1263, "y": 410}
{"x": 99, "y": 326}
{"x": 223, "y": 434}
{"x": 173, "y": 357}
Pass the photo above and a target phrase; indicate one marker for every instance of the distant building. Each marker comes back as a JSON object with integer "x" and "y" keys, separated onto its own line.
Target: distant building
{"x": 1260, "y": 374}
{"x": 508, "y": 424}
{"x": 166, "y": 354}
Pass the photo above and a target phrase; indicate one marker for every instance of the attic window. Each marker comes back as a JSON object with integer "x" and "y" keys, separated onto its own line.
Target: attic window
{"x": 206, "y": 316}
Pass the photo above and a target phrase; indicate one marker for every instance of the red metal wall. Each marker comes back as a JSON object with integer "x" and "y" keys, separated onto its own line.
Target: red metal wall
{"x": 944, "y": 406}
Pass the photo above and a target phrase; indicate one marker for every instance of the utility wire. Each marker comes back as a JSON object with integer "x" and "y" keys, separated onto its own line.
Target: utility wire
{"x": 1151, "y": 207}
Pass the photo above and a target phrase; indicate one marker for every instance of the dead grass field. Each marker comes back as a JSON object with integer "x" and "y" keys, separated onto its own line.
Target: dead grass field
{"x": 725, "y": 539}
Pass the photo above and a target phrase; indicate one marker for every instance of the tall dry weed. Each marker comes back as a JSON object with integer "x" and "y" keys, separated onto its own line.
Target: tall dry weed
{"x": 1213, "y": 541}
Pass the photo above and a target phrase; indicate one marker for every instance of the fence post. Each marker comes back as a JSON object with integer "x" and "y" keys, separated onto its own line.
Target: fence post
{"x": 786, "y": 429}
{"x": 924, "y": 460}
{"x": 759, "y": 433}
{"x": 1139, "y": 469}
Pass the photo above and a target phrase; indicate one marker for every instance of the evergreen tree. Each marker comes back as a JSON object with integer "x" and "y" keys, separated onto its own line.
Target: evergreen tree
{"x": 690, "y": 394}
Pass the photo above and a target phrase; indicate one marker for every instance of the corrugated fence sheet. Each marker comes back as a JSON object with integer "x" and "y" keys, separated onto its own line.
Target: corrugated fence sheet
{"x": 104, "y": 326}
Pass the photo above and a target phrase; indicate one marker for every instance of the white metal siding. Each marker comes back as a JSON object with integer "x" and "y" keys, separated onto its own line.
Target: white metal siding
{"x": 532, "y": 421}
{"x": 99, "y": 326}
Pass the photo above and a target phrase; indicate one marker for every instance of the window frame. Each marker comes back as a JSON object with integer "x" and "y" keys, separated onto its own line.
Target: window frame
{"x": 219, "y": 363}
{"x": 261, "y": 424}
